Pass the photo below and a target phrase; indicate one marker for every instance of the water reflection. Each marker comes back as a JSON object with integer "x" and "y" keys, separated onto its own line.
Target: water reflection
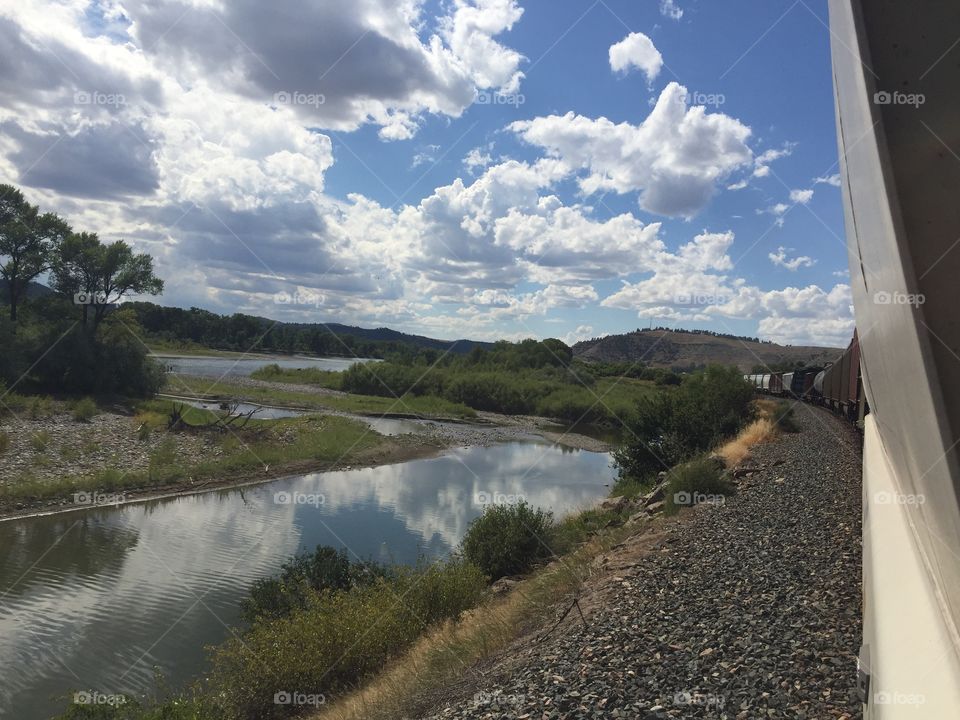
{"x": 97, "y": 599}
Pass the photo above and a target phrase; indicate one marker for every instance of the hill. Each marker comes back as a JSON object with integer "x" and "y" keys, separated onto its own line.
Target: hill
{"x": 684, "y": 350}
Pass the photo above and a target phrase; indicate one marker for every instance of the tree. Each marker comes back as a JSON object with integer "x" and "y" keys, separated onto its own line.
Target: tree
{"x": 28, "y": 241}
{"x": 99, "y": 276}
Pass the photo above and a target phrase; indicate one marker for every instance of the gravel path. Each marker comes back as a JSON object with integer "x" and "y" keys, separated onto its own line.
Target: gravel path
{"x": 750, "y": 609}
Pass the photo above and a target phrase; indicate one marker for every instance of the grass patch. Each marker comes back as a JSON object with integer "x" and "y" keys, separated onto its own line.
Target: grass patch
{"x": 694, "y": 482}
{"x": 784, "y": 418}
{"x": 40, "y": 441}
{"x": 427, "y": 406}
{"x": 274, "y": 443}
{"x": 84, "y": 410}
{"x": 331, "y": 379}
{"x": 38, "y": 406}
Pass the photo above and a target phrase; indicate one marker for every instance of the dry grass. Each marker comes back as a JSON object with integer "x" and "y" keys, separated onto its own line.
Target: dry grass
{"x": 446, "y": 656}
{"x": 761, "y": 430}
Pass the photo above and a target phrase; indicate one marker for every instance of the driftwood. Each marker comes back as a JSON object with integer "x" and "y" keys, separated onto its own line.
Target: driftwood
{"x": 229, "y": 420}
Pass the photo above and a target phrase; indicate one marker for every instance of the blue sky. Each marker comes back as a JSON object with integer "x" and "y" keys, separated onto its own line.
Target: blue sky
{"x": 480, "y": 168}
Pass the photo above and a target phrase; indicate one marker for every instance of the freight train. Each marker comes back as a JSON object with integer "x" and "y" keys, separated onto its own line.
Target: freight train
{"x": 838, "y": 386}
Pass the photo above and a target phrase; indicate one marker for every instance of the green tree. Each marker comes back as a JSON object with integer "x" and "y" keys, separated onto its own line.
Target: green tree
{"x": 98, "y": 276}
{"x": 28, "y": 240}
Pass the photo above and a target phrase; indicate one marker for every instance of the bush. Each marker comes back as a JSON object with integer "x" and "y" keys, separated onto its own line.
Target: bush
{"x": 687, "y": 483}
{"x": 337, "y": 638}
{"x": 85, "y": 410}
{"x": 40, "y": 441}
{"x": 38, "y": 407}
{"x": 306, "y": 573}
{"x": 508, "y": 539}
{"x": 783, "y": 417}
{"x": 708, "y": 407}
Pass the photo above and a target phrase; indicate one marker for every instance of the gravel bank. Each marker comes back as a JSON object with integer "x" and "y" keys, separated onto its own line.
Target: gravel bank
{"x": 750, "y": 609}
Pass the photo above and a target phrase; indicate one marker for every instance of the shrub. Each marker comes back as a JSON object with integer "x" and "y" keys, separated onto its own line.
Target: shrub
{"x": 324, "y": 569}
{"x": 337, "y": 638}
{"x": 508, "y": 539}
{"x": 40, "y": 440}
{"x": 39, "y": 407}
{"x": 85, "y": 410}
{"x": 692, "y": 479}
{"x": 708, "y": 407}
{"x": 783, "y": 416}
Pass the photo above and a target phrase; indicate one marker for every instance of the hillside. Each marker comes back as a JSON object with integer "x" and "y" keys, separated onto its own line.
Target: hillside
{"x": 678, "y": 349}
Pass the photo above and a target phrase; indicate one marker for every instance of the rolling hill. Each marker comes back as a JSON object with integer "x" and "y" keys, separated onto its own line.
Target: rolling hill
{"x": 681, "y": 349}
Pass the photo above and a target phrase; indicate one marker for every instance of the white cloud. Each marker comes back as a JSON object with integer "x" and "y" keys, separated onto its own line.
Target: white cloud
{"x": 636, "y": 50}
{"x": 670, "y": 9}
{"x": 780, "y": 259}
{"x": 801, "y": 197}
{"x": 828, "y": 180}
{"x": 761, "y": 164}
{"x": 674, "y": 158}
{"x": 739, "y": 185}
{"x": 477, "y": 159}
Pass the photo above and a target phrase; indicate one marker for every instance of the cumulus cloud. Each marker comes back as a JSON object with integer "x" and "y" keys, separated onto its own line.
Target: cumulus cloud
{"x": 636, "y": 50}
{"x": 828, "y": 180}
{"x": 780, "y": 259}
{"x": 674, "y": 158}
{"x": 801, "y": 197}
{"x": 477, "y": 159}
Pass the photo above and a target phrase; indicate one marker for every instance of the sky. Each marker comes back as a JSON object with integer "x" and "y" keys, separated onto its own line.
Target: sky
{"x": 466, "y": 168}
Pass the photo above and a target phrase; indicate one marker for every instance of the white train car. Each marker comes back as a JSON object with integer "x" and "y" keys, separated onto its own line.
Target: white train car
{"x": 896, "y": 71}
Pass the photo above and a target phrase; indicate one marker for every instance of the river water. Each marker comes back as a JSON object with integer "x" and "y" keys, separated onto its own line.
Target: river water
{"x": 234, "y": 366}
{"x": 96, "y": 600}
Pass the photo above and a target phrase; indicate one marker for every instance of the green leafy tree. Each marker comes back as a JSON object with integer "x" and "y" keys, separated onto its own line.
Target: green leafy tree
{"x": 28, "y": 241}
{"x": 98, "y": 276}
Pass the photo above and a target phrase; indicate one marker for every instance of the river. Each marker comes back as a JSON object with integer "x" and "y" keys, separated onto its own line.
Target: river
{"x": 225, "y": 367}
{"x": 96, "y": 600}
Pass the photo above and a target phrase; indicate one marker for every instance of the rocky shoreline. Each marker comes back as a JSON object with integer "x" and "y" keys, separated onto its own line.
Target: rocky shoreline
{"x": 746, "y": 609}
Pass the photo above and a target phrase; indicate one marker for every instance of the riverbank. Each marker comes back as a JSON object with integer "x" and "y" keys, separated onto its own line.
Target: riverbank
{"x": 745, "y": 608}
{"x": 53, "y": 463}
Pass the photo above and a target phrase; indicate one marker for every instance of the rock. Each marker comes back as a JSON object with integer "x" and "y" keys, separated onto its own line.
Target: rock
{"x": 655, "y": 495}
{"x": 654, "y": 508}
{"x": 614, "y": 504}
{"x": 503, "y": 585}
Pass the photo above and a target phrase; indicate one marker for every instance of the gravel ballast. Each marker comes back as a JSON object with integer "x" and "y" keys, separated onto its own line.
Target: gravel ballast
{"x": 749, "y": 609}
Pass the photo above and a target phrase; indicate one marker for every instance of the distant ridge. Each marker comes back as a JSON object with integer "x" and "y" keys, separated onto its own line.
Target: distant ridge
{"x": 681, "y": 349}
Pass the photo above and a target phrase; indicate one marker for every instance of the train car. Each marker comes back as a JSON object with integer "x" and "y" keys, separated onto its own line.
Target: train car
{"x": 776, "y": 384}
{"x": 787, "y": 383}
{"x": 899, "y": 176}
